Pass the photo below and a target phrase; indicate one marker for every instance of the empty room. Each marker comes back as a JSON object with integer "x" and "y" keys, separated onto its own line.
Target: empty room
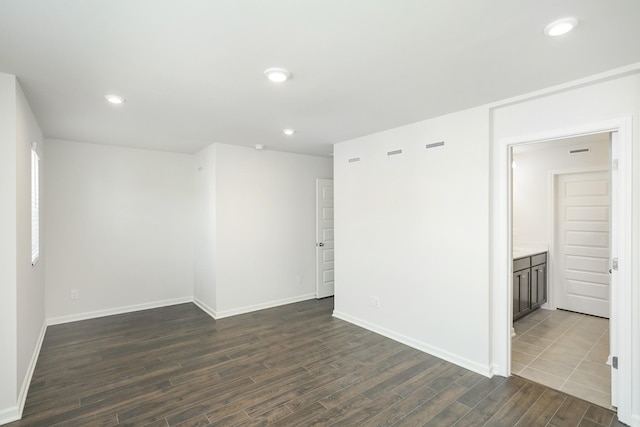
{"x": 241, "y": 212}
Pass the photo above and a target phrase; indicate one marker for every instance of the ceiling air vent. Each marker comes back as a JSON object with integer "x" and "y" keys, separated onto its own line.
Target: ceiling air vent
{"x": 354, "y": 159}
{"x": 394, "y": 152}
{"x": 579, "y": 150}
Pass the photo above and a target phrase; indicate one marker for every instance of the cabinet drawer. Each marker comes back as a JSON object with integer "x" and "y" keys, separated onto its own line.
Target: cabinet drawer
{"x": 521, "y": 263}
{"x": 539, "y": 259}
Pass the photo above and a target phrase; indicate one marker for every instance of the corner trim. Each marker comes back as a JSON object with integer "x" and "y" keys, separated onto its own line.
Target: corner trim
{"x": 204, "y": 307}
{"x": 117, "y": 310}
{"x": 13, "y": 413}
{"x": 24, "y": 390}
{"x": 485, "y": 370}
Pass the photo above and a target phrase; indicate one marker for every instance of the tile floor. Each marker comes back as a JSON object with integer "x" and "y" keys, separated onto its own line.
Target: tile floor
{"x": 565, "y": 351}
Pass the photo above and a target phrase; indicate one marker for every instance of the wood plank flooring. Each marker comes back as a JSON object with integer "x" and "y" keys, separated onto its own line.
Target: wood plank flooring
{"x": 293, "y": 365}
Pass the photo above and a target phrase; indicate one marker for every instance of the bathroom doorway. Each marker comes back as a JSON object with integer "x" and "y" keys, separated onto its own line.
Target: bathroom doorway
{"x": 561, "y": 208}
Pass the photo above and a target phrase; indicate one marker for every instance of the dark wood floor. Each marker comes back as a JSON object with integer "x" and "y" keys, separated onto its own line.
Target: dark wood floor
{"x": 292, "y": 365}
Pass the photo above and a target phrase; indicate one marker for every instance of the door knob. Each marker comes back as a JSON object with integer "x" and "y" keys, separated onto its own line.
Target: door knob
{"x": 320, "y": 244}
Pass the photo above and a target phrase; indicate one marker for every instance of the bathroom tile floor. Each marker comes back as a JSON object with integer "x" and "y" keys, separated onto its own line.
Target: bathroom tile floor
{"x": 566, "y": 351}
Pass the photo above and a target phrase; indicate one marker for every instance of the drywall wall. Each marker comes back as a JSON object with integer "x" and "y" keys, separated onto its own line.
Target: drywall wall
{"x": 119, "y": 229}
{"x": 412, "y": 231}
{"x": 532, "y": 186}
{"x": 204, "y": 285}
{"x": 30, "y": 278}
{"x": 265, "y": 227}
{"x": 8, "y": 245}
{"x": 22, "y": 292}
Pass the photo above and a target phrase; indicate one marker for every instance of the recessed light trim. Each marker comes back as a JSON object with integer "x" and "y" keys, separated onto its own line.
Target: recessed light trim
{"x": 277, "y": 75}
{"x": 561, "y": 26}
{"x": 288, "y": 132}
{"x": 258, "y": 147}
{"x": 114, "y": 99}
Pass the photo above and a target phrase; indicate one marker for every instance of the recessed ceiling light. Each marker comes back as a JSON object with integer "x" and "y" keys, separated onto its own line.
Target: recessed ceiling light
{"x": 258, "y": 147}
{"x": 114, "y": 99}
{"x": 561, "y": 26}
{"x": 288, "y": 132}
{"x": 277, "y": 75}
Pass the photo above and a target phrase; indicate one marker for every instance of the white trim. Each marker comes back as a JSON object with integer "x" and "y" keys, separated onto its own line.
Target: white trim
{"x": 10, "y": 414}
{"x": 24, "y": 390}
{"x": 487, "y": 371}
{"x": 261, "y": 306}
{"x": 116, "y": 310}
{"x": 587, "y": 81}
{"x": 501, "y": 250}
{"x": 204, "y": 307}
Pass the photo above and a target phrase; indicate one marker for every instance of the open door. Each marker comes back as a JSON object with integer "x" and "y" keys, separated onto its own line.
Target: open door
{"x": 582, "y": 242}
{"x": 324, "y": 238}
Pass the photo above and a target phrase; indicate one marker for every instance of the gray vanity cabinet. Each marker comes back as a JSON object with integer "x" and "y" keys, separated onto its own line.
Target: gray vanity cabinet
{"x": 529, "y": 284}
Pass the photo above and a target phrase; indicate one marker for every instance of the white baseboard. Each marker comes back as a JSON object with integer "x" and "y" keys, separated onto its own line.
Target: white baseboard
{"x": 262, "y": 306}
{"x": 22, "y": 397}
{"x": 116, "y": 310}
{"x": 14, "y": 413}
{"x": 434, "y": 351}
{"x": 204, "y": 307}
{"x": 10, "y": 414}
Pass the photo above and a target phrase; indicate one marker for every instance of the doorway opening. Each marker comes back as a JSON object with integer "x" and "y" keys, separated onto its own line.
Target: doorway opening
{"x": 621, "y": 321}
{"x": 561, "y": 239}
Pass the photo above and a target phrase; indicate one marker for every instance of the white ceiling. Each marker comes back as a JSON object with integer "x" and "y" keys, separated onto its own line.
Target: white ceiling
{"x": 191, "y": 70}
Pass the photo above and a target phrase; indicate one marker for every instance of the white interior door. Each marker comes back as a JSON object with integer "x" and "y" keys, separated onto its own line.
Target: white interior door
{"x": 324, "y": 238}
{"x": 582, "y": 247}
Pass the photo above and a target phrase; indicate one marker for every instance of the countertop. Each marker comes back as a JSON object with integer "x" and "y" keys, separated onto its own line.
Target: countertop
{"x": 520, "y": 252}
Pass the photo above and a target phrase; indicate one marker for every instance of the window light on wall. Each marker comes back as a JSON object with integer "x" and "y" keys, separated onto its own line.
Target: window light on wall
{"x": 35, "y": 204}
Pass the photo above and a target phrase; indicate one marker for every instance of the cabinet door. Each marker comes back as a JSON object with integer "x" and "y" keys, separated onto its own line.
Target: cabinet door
{"x": 525, "y": 287}
{"x": 521, "y": 293}
{"x": 541, "y": 283}
{"x": 516, "y": 294}
{"x": 534, "y": 286}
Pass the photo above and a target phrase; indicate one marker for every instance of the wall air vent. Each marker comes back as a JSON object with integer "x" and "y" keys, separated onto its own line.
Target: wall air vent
{"x": 579, "y": 150}
{"x": 394, "y": 152}
{"x": 354, "y": 159}
{"x": 435, "y": 144}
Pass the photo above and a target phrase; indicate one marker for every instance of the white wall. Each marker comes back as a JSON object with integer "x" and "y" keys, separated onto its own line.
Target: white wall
{"x": 31, "y": 282}
{"x": 8, "y": 254}
{"x": 532, "y": 186}
{"x": 265, "y": 227}
{"x": 412, "y": 230}
{"x": 119, "y": 229}
{"x": 22, "y": 285}
{"x": 204, "y": 286}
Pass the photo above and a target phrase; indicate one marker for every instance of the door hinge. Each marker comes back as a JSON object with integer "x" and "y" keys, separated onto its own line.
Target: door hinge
{"x": 614, "y": 263}
{"x": 614, "y": 362}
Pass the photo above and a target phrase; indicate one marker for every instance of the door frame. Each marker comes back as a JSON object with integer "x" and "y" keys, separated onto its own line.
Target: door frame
{"x": 501, "y": 250}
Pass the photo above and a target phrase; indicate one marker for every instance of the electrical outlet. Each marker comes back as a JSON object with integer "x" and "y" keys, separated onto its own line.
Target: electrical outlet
{"x": 74, "y": 294}
{"x": 374, "y": 302}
